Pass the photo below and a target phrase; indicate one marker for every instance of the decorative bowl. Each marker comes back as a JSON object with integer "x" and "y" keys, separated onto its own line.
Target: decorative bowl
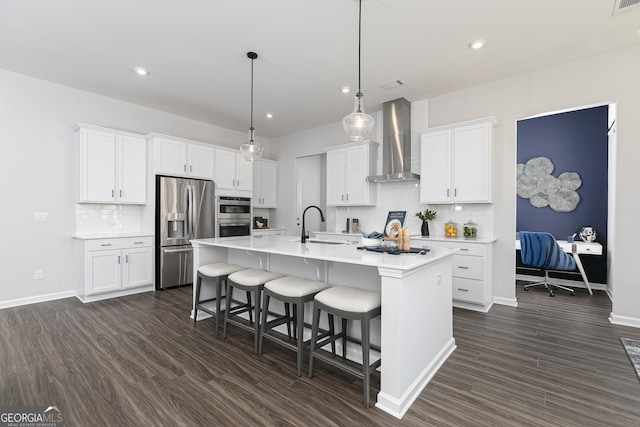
{"x": 371, "y": 243}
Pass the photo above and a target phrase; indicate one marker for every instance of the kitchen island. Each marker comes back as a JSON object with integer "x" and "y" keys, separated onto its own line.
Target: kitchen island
{"x": 415, "y": 330}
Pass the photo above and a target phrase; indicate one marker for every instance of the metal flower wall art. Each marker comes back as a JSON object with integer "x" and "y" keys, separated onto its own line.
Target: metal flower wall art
{"x": 537, "y": 183}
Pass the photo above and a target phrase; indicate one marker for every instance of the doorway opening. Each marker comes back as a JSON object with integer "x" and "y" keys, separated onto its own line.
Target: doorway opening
{"x": 580, "y": 141}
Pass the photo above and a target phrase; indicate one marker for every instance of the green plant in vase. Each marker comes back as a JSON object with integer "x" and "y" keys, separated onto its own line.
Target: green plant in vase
{"x": 426, "y": 216}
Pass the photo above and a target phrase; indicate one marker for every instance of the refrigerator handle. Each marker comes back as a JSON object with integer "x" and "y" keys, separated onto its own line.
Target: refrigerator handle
{"x": 190, "y": 212}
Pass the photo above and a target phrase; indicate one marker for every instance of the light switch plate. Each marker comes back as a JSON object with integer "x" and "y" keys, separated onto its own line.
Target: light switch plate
{"x": 41, "y": 217}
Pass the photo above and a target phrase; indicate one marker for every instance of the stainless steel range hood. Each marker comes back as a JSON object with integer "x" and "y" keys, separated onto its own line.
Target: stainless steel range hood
{"x": 396, "y": 143}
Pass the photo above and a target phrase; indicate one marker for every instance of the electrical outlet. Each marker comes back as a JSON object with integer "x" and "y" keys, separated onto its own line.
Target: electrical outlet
{"x": 41, "y": 217}
{"x": 38, "y": 274}
{"x": 438, "y": 279}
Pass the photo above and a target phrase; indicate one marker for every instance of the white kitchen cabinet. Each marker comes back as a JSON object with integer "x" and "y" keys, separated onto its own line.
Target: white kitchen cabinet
{"x": 234, "y": 174}
{"x": 179, "y": 157}
{"x": 472, "y": 274}
{"x": 111, "y": 166}
{"x": 265, "y": 183}
{"x": 455, "y": 163}
{"x": 111, "y": 267}
{"x": 348, "y": 167}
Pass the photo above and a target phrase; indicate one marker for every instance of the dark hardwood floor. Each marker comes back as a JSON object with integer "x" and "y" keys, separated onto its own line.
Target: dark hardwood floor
{"x": 139, "y": 361}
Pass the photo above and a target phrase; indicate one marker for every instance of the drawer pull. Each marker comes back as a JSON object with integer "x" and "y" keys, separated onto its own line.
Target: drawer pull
{"x": 138, "y": 243}
{"x": 464, "y": 249}
{"x": 105, "y": 244}
{"x": 463, "y": 290}
{"x": 463, "y": 267}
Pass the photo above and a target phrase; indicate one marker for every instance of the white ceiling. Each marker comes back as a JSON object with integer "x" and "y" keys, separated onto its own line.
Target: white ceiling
{"x": 196, "y": 50}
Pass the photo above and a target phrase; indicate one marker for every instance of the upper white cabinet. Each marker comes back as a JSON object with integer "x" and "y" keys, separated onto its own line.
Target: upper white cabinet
{"x": 348, "y": 167}
{"x": 265, "y": 182}
{"x": 179, "y": 157}
{"x": 111, "y": 166}
{"x": 455, "y": 162}
{"x": 234, "y": 174}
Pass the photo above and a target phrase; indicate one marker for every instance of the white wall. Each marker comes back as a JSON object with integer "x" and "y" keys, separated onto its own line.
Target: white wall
{"x": 37, "y": 168}
{"x": 610, "y": 77}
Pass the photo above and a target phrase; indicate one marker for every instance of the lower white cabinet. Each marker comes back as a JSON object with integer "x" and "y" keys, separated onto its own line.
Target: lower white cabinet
{"x": 472, "y": 271}
{"x": 111, "y": 267}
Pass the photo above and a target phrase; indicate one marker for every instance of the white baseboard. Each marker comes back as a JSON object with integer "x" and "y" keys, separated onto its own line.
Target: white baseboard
{"x": 624, "y": 320}
{"x": 37, "y": 299}
{"x": 511, "y": 302}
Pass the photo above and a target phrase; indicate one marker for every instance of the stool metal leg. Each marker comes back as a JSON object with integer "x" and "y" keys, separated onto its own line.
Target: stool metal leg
{"x": 218, "y": 298}
{"x": 300, "y": 333}
{"x": 344, "y": 338}
{"x": 365, "y": 359}
{"x": 256, "y": 309}
{"x": 197, "y": 292}
{"x": 229, "y": 295}
{"x": 265, "y": 309}
{"x": 314, "y": 338}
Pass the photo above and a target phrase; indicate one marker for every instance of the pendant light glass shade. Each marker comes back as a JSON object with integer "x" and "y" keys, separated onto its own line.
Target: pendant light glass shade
{"x": 358, "y": 124}
{"x": 252, "y": 149}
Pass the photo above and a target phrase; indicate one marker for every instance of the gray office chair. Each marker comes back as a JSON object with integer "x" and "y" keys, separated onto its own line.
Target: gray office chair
{"x": 540, "y": 250}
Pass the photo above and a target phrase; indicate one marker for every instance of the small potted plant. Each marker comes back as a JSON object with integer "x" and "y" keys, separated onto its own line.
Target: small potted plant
{"x": 426, "y": 216}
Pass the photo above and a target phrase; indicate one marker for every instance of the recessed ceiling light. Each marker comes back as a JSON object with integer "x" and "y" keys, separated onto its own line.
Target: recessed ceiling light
{"x": 477, "y": 44}
{"x": 269, "y": 115}
{"x": 141, "y": 71}
{"x": 345, "y": 89}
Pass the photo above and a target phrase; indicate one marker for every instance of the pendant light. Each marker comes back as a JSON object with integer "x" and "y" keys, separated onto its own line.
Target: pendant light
{"x": 252, "y": 149}
{"x": 358, "y": 124}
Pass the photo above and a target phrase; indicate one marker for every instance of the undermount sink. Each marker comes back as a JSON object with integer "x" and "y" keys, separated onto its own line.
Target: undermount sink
{"x": 320, "y": 241}
{"x": 325, "y": 242}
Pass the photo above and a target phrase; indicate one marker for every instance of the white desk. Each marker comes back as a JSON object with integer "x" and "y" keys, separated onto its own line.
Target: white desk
{"x": 576, "y": 249}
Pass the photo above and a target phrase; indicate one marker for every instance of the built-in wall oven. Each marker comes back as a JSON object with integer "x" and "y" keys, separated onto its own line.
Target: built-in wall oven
{"x": 234, "y": 216}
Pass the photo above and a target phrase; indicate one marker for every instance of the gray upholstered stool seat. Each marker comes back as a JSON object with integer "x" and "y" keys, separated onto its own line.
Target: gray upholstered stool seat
{"x": 349, "y": 304}
{"x": 290, "y": 290}
{"x": 217, "y": 272}
{"x": 252, "y": 281}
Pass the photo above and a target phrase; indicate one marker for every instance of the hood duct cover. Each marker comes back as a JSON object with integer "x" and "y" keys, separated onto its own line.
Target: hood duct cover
{"x": 396, "y": 143}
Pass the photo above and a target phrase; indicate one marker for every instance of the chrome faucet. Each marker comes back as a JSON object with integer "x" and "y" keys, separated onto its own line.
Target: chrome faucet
{"x": 305, "y": 235}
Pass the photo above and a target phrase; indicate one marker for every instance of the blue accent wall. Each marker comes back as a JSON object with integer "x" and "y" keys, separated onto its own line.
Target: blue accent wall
{"x": 575, "y": 141}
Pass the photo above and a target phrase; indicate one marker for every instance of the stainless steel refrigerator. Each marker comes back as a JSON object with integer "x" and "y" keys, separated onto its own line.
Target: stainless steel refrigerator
{"x": 185, "y": 209}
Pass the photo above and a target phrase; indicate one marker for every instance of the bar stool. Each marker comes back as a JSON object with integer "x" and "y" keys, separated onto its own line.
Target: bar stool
{"x": 295, "y": 291}
{"x": 349, "y": 304}
{"x": 252, "y": 281}
{"x": 217, "y": 272}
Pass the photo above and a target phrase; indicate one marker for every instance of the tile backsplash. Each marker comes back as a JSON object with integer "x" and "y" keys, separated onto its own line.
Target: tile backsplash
{"x": 406, "y": 196}
{"x": 105, "y": 218}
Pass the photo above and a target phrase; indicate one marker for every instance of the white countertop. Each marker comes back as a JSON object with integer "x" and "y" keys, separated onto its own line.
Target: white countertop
{"x": 344, "y": 252}
{"x": 110, "y": 235}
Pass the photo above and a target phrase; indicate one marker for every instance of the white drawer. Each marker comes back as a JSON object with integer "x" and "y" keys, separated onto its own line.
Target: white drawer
{"x": 119, "y": 243}
{"x": 464, "y": 248}
{"x": 468, "y": 290}
{"x": 470, "y": 267}
{"x": 471, "y": 249}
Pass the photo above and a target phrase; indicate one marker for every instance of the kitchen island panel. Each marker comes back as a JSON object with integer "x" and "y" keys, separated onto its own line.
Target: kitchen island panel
{"x": 416, "y": 343}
